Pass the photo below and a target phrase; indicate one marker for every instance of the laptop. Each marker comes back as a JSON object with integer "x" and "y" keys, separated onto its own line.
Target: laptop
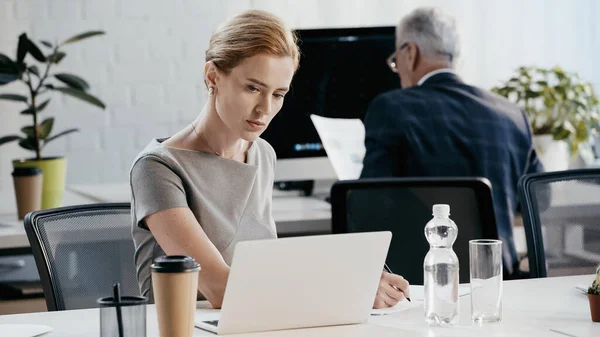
{"x": 301, "y": 282}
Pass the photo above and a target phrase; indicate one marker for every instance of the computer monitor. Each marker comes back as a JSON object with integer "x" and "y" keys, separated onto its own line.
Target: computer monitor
{"x": 341, "y": 71}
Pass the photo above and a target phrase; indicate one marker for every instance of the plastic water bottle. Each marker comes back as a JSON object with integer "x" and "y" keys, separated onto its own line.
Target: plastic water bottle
{"x": 441, "y": 269}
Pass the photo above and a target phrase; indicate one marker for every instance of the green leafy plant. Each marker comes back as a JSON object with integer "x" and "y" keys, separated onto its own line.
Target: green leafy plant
{"x": 39, "y": 85}
{"x": 556, "y": 102}
{"x": 594, "y": 289}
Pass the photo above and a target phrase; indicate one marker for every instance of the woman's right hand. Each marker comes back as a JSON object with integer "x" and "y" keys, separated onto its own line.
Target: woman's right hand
{"x": 212, "y": 282}
{"x": 392, "y": 289}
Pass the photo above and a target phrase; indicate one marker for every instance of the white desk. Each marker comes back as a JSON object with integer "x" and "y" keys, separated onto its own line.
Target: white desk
{"x": 531, "y": 308}
{"x": 293, "y": 214}
{"x": 12, "y": 231}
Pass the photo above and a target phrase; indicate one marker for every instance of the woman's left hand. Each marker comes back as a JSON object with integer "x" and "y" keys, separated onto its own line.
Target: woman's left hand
{"x": 392, "y": 289}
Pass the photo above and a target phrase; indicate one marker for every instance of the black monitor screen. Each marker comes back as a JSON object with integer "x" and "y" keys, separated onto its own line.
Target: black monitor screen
{"x": 341, "y": 71}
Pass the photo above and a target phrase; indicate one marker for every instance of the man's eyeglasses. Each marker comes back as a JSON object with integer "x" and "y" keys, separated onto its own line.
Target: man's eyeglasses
{"x": 392, "y": 63}
{"x": 391, "y": 60}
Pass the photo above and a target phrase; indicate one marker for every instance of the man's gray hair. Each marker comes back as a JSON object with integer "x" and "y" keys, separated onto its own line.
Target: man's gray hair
{"x": 433, "y": 31}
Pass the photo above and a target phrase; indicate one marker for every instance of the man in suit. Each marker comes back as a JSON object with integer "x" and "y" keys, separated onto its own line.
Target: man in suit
{"x": 439, "y": 126}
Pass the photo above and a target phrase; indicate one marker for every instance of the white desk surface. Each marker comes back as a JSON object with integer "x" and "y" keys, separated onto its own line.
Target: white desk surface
{"x": 530, "y": 308}
{"x": 292, "y": 214}
{"x": 286, "y": 207}
{"x": 12, "y": 231}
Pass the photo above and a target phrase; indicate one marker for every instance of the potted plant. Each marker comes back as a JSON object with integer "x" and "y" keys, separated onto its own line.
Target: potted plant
{"x": 40, "y": 83}
{"x": 594, "y": 297}
{"x": 562, "y": 110}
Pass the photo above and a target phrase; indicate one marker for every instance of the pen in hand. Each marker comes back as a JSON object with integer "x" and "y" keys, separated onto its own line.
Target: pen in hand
{"x": 390, "y": 271}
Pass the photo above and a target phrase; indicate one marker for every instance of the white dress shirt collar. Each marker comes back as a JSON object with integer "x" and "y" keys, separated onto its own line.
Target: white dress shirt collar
{"x": 435, "y": 72}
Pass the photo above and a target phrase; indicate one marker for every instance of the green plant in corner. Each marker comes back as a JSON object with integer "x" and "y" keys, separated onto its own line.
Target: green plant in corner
{"x": 594, "y": 289}
{"x": 39, "y": 85}
{"x": 556, "y": 102}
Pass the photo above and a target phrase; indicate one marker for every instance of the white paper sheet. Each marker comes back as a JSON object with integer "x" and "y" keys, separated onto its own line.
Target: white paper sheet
{"x": 344, "y": 142}
{"x": 401, "y": 306}
{"x": 417, "y": 293}
{"x": 23, "y": 330}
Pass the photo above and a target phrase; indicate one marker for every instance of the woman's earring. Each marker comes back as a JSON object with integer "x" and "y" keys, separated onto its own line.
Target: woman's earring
{"x": 211, "y": 91}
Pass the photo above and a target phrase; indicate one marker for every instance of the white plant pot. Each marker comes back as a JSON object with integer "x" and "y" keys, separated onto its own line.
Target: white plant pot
{"x": 554, "y": 154}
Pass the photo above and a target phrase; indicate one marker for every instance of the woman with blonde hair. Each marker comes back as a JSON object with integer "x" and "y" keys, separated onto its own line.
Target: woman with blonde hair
{"x": 209, "y": 186}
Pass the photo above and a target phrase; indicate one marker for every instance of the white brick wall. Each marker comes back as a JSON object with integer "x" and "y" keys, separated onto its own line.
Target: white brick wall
{"x": 148, "y": 68}
{"x": 6, "y": 11}
{"x": 27, "y": 10}
{"x": 64, "y": 9}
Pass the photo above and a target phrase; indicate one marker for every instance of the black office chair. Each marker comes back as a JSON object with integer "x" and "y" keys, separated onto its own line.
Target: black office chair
{"x": 81, "y": 251}
{"x": 404, "y": 206}
{"x": 561, "y": 215}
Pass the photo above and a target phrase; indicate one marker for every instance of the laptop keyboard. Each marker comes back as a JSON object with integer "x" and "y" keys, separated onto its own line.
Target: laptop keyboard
{"x": 215, "y": 323}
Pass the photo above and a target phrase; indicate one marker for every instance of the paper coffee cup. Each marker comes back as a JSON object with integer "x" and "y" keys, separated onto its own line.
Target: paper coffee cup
{"x": 28, "y": 189}
{"x": 175, "y": 284}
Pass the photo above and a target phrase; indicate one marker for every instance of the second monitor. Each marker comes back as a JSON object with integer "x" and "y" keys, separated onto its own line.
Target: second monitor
{"x": 341, "y": 71}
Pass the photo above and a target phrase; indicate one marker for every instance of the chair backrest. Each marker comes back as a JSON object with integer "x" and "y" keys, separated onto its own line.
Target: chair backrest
{"x": 404, "y": 206}
{"x": 561, "y": 215}
{"x": 81, "y": 252}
